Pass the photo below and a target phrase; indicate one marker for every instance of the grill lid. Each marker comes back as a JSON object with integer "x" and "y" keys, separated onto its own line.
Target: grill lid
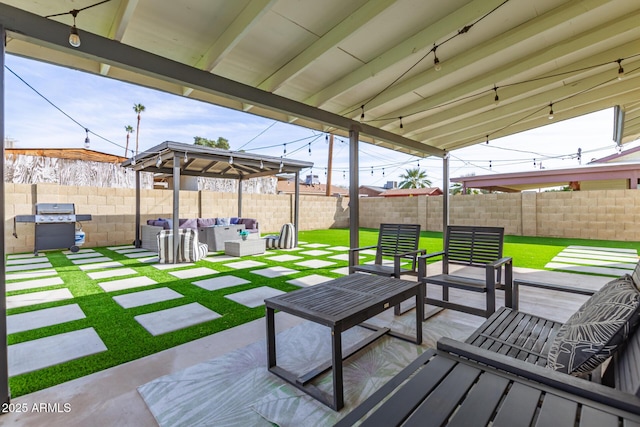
{"x": 55, "y": 208}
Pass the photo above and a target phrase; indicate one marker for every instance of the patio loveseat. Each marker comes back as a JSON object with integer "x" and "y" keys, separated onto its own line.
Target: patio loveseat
{"x": 212, "y": 231}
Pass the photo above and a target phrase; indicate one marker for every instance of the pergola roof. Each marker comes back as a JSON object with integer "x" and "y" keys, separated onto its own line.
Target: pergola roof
{"x": 316, "y": 63}
{"x": 196, "y": 160}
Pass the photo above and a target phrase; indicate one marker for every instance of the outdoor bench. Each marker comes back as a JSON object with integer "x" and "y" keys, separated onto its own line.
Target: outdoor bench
{"x": 471, "y": 246}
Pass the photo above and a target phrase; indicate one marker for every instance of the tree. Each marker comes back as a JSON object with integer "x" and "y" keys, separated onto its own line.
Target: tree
{"x": 221, "y": 142}
{"x": 129, "y": 130}
{"x": 414, "y": 178}
{"x": 138, "y": 108}
{"x": 456, "y": 189}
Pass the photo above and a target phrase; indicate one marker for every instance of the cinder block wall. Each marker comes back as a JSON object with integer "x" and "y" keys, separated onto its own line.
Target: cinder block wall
{"x": 603, "y": 214}
{"x": 113, "y": 210}
{"x": 606, "y": 214}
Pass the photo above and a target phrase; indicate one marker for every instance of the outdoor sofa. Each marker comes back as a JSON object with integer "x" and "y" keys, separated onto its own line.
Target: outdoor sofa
{"x": 212, "y": 231}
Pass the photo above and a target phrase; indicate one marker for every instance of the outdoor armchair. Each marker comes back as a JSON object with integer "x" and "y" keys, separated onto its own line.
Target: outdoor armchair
{"x": 397, "y": 241}
{"x": 470, "y": 246}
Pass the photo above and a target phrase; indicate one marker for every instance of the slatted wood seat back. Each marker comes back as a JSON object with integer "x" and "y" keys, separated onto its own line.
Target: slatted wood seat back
{"x": 472, "y": 246}
{"x": 626, "y": 366}
{"x": 395, "y": 239}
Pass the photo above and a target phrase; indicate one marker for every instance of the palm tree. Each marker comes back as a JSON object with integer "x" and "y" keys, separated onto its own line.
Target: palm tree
{"x": 138, "y": 108}
{"x": 414, "y": 178}
{"x": 129, "y": 130}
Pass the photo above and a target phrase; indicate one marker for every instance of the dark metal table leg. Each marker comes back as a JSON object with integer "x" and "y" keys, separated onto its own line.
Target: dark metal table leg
{"x": 338, "y": 392}
{"x": 271, "y": 338}
{"x": 419, "y": 312}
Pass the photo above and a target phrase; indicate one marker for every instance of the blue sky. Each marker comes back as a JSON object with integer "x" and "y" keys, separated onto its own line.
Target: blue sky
{"x": 105, "y": 107}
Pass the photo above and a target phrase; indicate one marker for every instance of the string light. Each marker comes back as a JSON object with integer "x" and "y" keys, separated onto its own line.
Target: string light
{"x": 401, "y": 126}
{"x": 133, "y": 161}
{"x": 74, "y": 37}
{"x": 309, "y": 148}
{"x": 186, "y": 158}
{"x": 285, "y": 149}
{"x": 489, "y": 164}
{"x": 551, "y": 111}
{"x": 496, "y": 99}
{"x": 436, "y": 62}
{"x": 620, "y": 70}
{"x": 230, "y": 160}
{"x": 159, "y": 162}
{"x": 371, "y": 170}
{"x": 261, "y": 164}
{"x": 362, "y": 115}
{"x": 281, "y": 166}
{"x": 87, "y": 143}
{"x": 487, "y": 140}
{"x": 382, "y": 171}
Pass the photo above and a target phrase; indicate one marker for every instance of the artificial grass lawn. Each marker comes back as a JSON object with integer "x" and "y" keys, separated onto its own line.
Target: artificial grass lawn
{"x": 527, "y": 252}
{"x": 127, "y": 340}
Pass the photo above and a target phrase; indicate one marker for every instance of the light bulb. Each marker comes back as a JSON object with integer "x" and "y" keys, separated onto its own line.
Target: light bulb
{"x": 133, "y": 161}
{"x": 620, "y": 72}
{"x": 87, "y": 143}
{"x": 74, "y": 37}
{"x": 261, "y": 165}
{"x": 436, "y": 64}
{"x": 551, "y": 112}
{"x": 231, "y": 160}
{"x": 159, "y": 162}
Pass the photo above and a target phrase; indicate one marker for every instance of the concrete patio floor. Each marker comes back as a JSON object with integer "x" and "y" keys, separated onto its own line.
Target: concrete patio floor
{"x": 110, "y": 397}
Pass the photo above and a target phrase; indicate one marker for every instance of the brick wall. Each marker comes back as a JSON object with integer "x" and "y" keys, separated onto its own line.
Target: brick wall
{"x": 606, "y": 214}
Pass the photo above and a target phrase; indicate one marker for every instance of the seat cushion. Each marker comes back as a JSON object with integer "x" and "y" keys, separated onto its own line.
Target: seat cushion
{"x": 597, "y": 329}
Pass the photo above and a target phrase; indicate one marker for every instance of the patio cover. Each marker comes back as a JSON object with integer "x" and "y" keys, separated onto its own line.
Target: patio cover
{"x": 363, "y": 68}
{"x": 176, "y": 159}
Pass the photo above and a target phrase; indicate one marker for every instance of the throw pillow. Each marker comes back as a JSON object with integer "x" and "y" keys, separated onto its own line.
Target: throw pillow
{"x": 222, "y": 221}
{"x": 597, "y": 329}
{"x": 206, "y": 222}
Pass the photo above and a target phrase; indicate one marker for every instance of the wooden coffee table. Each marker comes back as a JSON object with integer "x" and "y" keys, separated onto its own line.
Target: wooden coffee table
{"x": 340, "y": 304}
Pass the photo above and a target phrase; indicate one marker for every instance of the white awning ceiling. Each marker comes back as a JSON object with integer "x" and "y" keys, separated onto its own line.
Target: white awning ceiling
{"x": 316, "y": 63}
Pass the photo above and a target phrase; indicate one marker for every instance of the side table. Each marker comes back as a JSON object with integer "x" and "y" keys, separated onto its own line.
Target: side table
{"x": 242, "y": 248}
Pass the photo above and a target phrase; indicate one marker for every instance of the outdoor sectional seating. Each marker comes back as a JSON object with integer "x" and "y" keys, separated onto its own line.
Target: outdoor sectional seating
{"x": 212, "y": 231}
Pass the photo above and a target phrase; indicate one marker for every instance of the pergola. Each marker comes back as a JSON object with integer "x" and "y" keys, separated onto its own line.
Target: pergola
{"x": 178, "y": 159}
{"x": 419, "y": 77}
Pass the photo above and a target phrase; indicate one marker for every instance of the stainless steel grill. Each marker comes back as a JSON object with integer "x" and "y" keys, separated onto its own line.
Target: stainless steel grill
{"x": 55, "y": 226}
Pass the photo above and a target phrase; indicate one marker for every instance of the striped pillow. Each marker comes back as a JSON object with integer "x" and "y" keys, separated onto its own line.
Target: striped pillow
{"x": 189, "y": 249}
